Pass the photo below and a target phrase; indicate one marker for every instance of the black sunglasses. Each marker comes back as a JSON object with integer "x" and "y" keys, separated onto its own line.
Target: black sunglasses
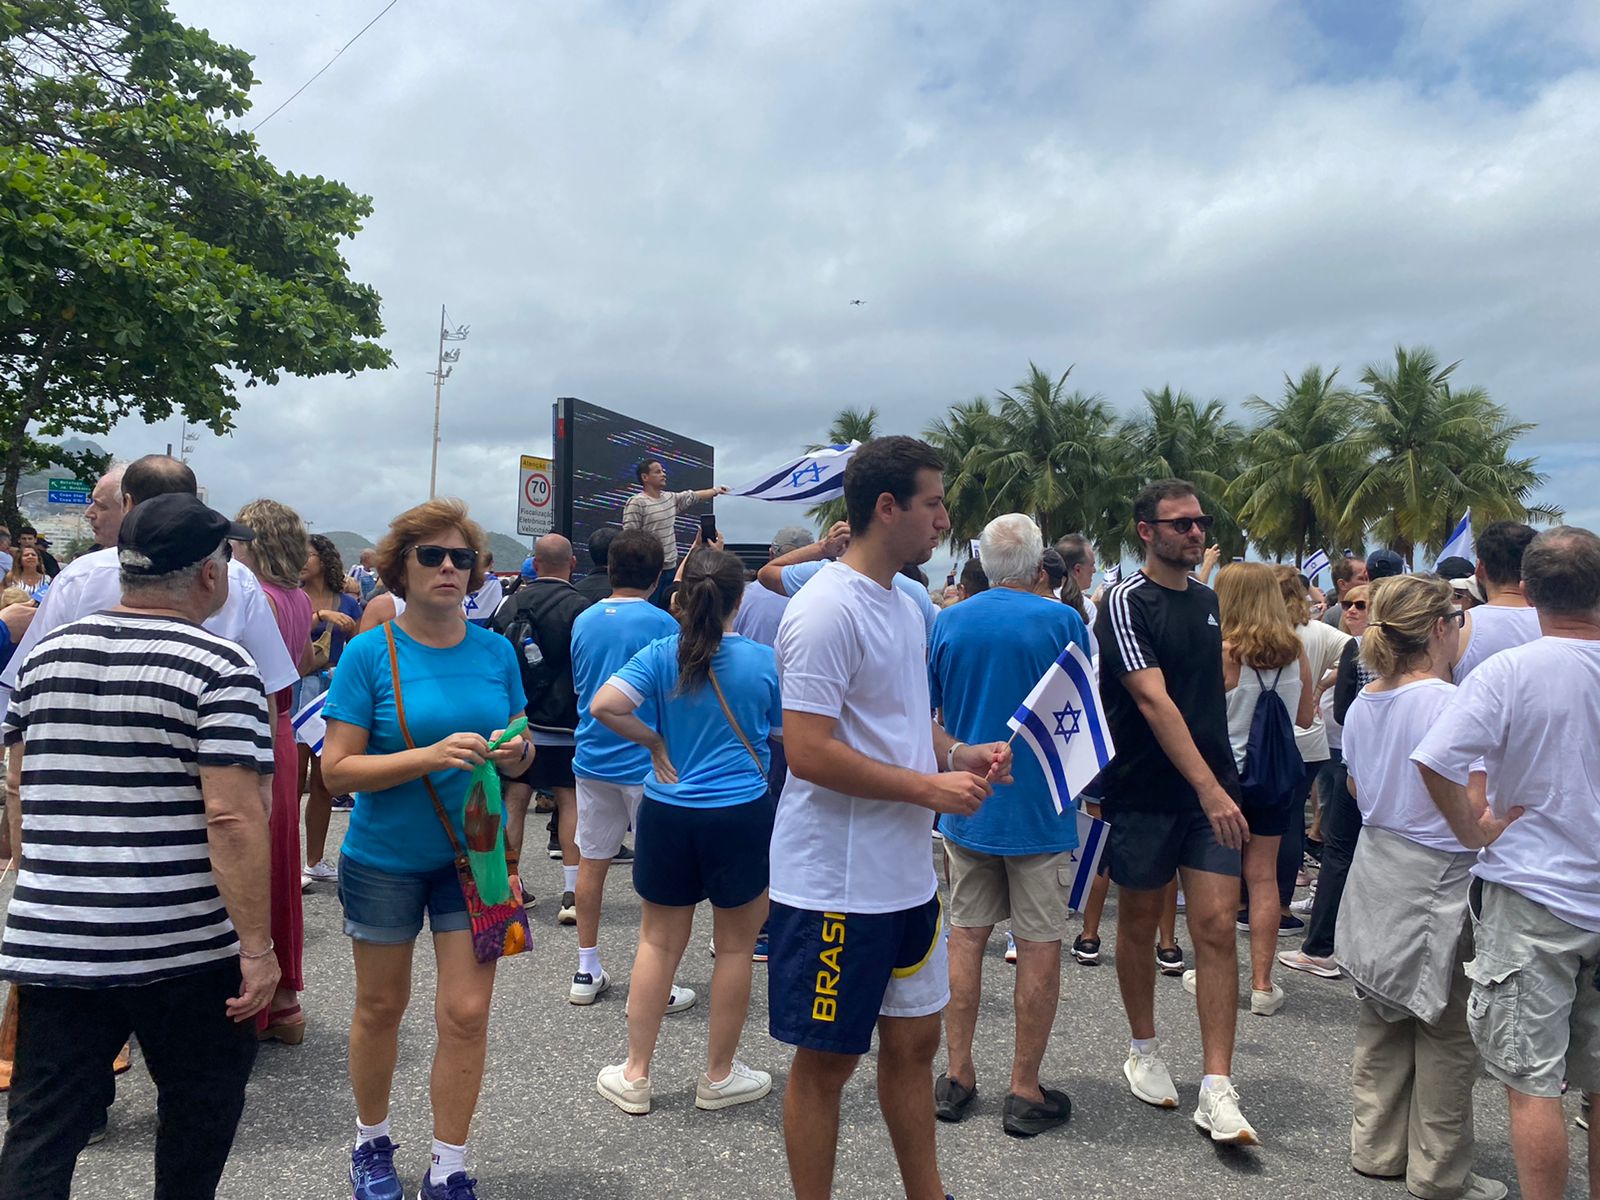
{"x": 462, "y": 558}
{"x": 1184, "y": 524}
{"x": 1459, "y": 616}
{"x": 1358, "y": 605}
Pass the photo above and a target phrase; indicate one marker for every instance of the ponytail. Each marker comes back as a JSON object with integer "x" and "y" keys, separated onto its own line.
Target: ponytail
{"x": 1401, "y": 614}
{"x": 712, "y": 585}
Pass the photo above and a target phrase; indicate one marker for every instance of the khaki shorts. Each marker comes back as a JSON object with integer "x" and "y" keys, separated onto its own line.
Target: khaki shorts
{"x": 1030, "y": 889}
{"x": 1534, "y": 1012}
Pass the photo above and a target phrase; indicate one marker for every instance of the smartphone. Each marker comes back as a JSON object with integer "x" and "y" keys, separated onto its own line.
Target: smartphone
{"x": 708, "y": 527}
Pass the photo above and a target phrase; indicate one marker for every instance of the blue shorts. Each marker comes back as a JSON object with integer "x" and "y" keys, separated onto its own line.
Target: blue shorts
{"x": 386, "y": 909}
{"x": 683, "y": 854}
{"x": 1147, "y": 848}
{"x": 830, "y": 975}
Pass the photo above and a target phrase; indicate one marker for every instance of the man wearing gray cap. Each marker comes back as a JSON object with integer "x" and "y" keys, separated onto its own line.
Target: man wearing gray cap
{"x": 139, "y": 745}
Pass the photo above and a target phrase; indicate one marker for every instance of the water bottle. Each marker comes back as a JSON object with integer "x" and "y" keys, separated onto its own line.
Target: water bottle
{"x": 531, "y": 654}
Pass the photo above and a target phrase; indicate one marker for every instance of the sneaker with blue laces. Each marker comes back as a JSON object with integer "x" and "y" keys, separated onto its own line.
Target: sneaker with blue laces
{"x": 457, "y": 1187}
{"x": 372, "y": 1174}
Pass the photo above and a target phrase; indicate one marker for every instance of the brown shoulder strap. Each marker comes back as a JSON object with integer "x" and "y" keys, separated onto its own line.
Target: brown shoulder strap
{"x": 400, "y": 714}
{"x": 711, "y": 674}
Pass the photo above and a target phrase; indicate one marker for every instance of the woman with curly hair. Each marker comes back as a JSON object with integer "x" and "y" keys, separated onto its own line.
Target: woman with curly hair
{"x": 334, "y": 617}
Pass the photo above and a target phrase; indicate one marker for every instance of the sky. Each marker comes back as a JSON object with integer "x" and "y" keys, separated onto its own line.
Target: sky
{"x": 667, "y": 209}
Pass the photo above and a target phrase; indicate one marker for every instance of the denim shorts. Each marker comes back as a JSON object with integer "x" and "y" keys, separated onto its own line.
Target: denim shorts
{"x": 386, "y": 909}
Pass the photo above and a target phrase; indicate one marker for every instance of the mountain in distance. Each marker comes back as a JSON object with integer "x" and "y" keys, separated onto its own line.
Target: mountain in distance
{"x": 508, "y": 551}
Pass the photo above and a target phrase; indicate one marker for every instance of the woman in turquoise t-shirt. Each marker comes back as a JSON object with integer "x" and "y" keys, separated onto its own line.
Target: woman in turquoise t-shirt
{"x": 705, "y": 823}
{"x": 460, "y": 687}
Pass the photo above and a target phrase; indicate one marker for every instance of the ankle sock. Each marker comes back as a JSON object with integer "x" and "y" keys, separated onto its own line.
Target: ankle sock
{"x": 1212, "y": 1083}
{"x": 1142, "y": 1045}
{"x": 370, "y": 1133}
{"x": 447, "y": 1160}
{"x": 569, "y": 879}
{"x": 589, "y": 961}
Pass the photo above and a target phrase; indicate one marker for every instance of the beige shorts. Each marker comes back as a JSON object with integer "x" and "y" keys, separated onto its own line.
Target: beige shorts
{"x": 1030, "y": 889}
{"x": 1534, "y": 1012}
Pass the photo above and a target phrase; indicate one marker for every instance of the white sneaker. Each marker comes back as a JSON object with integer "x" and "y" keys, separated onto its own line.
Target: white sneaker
{"x": 1303, "y": 906}
{"x": 1149, "y": 1080}
{"x": 742, "y": 1086}
{"x": 320, "y": 872}
{"x": 567, "y": 914}
{"x": 680, "y": 998}
{"x": 1264, "y": 1004}
{"x": 631, "y": 1096}
{"x": 586, "y": 989}
{"x": 1183, "y": 905}
{"x": 1189, "y": 984}
{"x": 1218, "y": 1114}
{"x": 1299, "y": 960}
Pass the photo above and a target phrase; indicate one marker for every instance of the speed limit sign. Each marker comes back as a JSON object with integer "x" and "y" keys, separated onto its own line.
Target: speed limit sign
{"x": 535, "y": 497}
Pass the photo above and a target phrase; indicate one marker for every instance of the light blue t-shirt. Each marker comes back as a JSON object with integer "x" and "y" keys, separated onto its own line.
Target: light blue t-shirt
{"x": 604, "y": 637}
{"x": 797, "y": 576}
{"x": 473, "y": 687}
{"x": 714, "y": 769}
{"x": 986, "y": 655}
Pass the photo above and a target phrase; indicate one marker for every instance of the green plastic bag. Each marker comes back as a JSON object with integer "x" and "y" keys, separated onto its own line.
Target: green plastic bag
{"x": 486, "y": 848}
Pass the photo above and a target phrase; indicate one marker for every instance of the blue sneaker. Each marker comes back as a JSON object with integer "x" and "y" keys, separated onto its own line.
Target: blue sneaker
{"x": 372, "y": 1174}
{"x": 760, "y": 954}
{"x": 456, "y": 1187}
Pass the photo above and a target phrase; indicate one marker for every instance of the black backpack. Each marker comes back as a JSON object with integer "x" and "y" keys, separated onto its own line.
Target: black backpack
{"x": 1273, "y": 767}
{"x": 523, "y": 634}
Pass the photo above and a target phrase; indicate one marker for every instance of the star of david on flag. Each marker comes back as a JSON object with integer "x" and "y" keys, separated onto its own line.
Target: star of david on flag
{"x": 1062, "y": 723}
{"x": 809, "y": 479}
{"x": 1315, "y": 565}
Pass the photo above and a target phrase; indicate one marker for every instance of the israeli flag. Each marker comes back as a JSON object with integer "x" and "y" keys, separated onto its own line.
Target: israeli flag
{"x": 1315, "y": 565}
{"x": 1062, "y": 723}
{"x": 1113, "y": 575}
{"x": 809, "y": 480}
{"x": 1460, "y": 541}
{"x": 309, "y": 727}
{"x": 1092, "y": 834}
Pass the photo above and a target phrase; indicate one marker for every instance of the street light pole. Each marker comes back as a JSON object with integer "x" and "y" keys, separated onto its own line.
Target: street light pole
{"x": 440, "y": 373}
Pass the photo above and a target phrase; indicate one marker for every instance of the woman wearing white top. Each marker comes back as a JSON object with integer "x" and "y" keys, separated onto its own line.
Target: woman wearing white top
{"x": 1403, "y": 932}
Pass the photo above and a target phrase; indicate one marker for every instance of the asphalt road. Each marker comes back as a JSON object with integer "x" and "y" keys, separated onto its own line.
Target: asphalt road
{"x": 542, "y": 1131}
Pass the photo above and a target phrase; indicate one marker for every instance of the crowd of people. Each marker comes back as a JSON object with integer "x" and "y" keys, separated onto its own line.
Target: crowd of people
{"x": 800, "y": 748}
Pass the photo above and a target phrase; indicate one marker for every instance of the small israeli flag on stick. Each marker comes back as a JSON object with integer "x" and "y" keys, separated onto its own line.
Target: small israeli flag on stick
{"x": 1063, "y": 725}
{"x": 1092, "y": 834}
{"x": 1460, "y": 543}
{"x": 309, "y": 727}
{"x": 1315, "y": 565}
{"x": 809, "y": 479}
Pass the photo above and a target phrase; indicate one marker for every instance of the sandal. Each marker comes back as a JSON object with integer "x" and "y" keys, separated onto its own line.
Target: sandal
{"x": 290, "y": 1033}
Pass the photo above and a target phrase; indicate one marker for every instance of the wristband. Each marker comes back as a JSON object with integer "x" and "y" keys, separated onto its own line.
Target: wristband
{"x": 257, "y": 954}
{"x": 950, "y": 755}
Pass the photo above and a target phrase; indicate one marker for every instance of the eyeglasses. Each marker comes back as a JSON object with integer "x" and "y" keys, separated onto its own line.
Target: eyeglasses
{"x": 227, "y": 550}
{"x": 462, "y": 558}
{"x": 1459, "y": 616}
{"x": 1184, "y": 524}
{"x": 1358, "y": 605}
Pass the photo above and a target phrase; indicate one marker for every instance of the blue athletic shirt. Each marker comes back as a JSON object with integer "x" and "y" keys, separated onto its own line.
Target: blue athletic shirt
{"x": 473, "y": 687}
{"x": 797, "y": 576}
{"x": 986, "y": 655}
{"x": 714, "y": 769}
{"x": 604, "y": 637}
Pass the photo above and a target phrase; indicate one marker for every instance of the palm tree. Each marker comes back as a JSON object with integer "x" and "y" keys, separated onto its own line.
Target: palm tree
{"x": 1434, "y": 452}
{"x": 964, "y": 438}
{"x": 1177, "y": 437}
{"x": 849, "y": 425}
{"x": 1298, "y": 465}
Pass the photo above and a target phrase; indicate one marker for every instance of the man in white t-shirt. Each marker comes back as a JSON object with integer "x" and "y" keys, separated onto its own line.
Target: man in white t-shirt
{"x": 1532, "y": 713}
{"x": 856, "y": 933}
{"x": 1505, "y": 618}
{"x": 788, "y": 573}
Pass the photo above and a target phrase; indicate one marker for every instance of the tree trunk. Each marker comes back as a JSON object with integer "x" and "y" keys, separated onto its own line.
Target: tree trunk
{"x": 17, "y": 433}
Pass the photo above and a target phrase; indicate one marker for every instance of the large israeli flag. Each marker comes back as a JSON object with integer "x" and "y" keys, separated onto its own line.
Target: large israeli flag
{"x": 809, "y": 479}
{"x": 309, "y": 727}
{"x": 1460, "y": 541}
{"x": 1315, "y": 565}
{"x": 1063, "y": 725}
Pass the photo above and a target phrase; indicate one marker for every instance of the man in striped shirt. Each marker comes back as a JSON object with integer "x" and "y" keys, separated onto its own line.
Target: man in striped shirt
{"x": 655, "y": 510}
{"x": 139, "y": 752}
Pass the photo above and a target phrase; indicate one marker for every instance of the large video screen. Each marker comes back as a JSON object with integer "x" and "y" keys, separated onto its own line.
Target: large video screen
{"x": 596, "y": 451}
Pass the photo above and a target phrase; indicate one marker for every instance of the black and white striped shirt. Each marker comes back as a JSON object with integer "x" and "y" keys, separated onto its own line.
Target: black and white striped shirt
{"x": 116, "y": 714}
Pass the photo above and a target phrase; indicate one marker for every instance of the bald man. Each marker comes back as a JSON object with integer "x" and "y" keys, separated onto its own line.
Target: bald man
{"x": 105, "y": 509}
{"x": 539, "y": 619}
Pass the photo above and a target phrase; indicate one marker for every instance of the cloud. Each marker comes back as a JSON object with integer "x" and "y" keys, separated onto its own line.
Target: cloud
{"x": 666, "y": 209}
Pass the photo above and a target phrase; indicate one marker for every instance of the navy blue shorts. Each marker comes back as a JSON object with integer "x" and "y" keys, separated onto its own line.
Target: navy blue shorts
{"x": 1147, "y": 848}
{"x": 386, "y": 909}
{"x": 831, "y": 975}
{"x": 683, "y": 855}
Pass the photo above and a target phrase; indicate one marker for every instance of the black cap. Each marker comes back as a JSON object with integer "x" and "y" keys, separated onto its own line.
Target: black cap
{"x": 1383, "y": 564}
{"x": 1454, "y": 567}
{"x": 167, "y": 533}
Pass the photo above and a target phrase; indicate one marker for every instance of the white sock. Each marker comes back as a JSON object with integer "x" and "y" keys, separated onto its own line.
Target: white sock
{"x": 589, "y": 961}
{"x": 1212, "y": 1083}
{"x": 569, "y": 877}
{"x": 370, "y": 1133}
{"x": 1142, "y": 1045}
{"x": 447, "y": 1160}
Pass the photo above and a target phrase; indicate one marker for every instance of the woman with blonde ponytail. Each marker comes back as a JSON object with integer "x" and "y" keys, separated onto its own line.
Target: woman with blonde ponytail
{"x": 704, "y": 702}
{"x": 1403, "y": 933}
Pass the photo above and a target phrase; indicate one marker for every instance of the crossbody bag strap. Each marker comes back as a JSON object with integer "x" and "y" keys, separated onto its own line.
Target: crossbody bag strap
{"x": 711, "y": 674}
{"x": 400, "y": 714}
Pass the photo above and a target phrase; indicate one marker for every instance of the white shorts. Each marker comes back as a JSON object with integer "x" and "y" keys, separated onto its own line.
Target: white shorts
{"x": 605, "y": 811}
{"x": 924, "y": 992}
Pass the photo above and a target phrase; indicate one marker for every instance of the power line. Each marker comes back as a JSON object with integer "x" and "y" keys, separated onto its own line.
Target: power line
{"x": 325, "y": 66}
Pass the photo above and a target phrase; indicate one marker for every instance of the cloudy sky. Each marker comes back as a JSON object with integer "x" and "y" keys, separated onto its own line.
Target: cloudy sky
{"x": 665, "y": 208}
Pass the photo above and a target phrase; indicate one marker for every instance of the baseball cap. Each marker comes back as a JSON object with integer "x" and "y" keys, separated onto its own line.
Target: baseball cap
{"x": 1382, "y": 564}
{"x": 1453, "y": 568}
{"x": 167, "y": 533}
{"x": 1469, "y": 586}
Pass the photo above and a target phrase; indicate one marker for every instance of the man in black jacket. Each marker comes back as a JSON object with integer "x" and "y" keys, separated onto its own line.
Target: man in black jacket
{"x": 538, "y": 619}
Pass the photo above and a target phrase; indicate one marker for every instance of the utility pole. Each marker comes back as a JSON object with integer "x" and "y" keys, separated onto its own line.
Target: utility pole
{"x": 440, "y": 373}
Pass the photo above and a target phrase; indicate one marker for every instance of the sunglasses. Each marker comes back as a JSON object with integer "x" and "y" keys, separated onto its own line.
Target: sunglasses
{"x": 462, "y": 558}
{"x": 1184, "y": 524}
{"x": 1358, "y": 605}
{"x": 1459, "y": 616}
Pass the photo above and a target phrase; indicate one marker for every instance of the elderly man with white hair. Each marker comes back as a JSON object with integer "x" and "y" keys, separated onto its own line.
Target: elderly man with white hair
{"x": 1008, "y": 861}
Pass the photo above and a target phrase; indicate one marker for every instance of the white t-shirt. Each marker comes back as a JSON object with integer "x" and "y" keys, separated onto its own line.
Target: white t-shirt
{"x": 1533, "y": 714}
{"x": 1491, "y": 630}
{"x": 1323, "y": 645}
{"x": 851, "y": 649}
{"x": 92, "y": 583}
{"x": 1380, "y": 732}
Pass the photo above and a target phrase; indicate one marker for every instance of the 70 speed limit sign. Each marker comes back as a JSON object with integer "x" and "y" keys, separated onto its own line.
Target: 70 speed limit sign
{"x": 535, "y": 497}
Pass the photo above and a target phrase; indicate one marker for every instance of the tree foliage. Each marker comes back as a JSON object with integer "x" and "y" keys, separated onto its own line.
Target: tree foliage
{"x": 150, "y": 256}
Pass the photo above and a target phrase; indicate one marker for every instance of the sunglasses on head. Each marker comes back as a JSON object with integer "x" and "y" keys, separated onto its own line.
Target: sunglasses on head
{"x": 1184, "y": 524}
{"x": 462, "y": 558}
